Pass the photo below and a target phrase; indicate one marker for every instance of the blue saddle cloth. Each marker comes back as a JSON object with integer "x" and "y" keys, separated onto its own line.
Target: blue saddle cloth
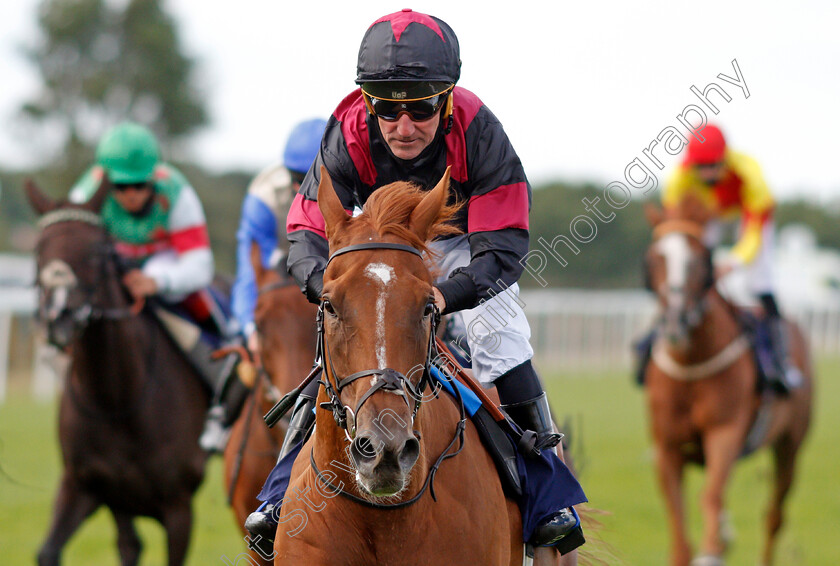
{"x": 547, "y": 484}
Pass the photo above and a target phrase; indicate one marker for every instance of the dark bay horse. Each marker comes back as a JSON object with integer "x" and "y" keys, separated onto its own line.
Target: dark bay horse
{"x": 132, "y": 407}
{"x": 702, "y": 389}
{"x": 389, "y": 506}
{"x": 285, "y": 322}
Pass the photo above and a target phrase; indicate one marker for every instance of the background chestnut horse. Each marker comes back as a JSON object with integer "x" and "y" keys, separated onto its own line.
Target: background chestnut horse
{"x": 378, "y": 311}
{"x": 132, "y": 407}
{"x": 285, "y": 321}
{"x": 701, "y": 388}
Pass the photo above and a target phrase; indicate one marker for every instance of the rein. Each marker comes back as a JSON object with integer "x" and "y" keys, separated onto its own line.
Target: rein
{"x": 387, "y": 380}
{"x": 702, "y": 370}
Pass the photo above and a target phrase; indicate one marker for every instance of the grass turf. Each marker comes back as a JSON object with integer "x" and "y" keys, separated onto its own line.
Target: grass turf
{"x": 610, "y": 443}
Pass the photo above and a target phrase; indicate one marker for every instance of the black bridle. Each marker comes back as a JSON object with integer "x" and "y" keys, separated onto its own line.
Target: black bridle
{"x": 88, "y": 310}
{"x": 387, "y": 380}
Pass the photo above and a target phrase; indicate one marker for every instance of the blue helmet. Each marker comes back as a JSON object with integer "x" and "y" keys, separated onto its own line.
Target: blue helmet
{"x": 303, "y": 145}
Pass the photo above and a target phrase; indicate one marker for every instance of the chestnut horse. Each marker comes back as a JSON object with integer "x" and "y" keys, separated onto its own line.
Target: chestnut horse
{"x": 422, "y": 488}
{"x": 285, "y": 322}
{"x": 132, "y": 407}
{"x": 702, "y": 389}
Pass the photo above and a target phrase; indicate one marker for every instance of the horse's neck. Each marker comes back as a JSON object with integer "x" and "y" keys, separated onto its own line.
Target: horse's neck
{"x": 718, "y": 328}
{"x": 111, "y": 356}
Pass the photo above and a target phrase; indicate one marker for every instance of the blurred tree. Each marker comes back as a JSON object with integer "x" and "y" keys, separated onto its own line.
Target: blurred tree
{"x": 102, "y": 62}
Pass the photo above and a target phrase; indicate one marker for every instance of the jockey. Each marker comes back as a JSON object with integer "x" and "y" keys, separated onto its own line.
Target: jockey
{"x": 409, "y": 121}
{"x": 732, "y": 186}
{"x": 263, "y": 220}
{"x": 158, "y": 225}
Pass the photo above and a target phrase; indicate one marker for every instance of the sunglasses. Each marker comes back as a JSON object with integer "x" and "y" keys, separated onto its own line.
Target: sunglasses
{"x": 418, "y": 110}
{"x": 122, "y": 187}
{"x": 709, "y": 166}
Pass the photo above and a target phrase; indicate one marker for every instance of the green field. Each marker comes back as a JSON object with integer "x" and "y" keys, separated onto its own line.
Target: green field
{"x": 612, "y": 450}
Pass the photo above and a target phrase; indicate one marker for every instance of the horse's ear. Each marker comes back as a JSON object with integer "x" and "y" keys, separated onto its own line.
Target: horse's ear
{"x": 95, "y": 202}
{"x": 329, "y": 203}
{"x": 426, "y": 214}
{"x": 39, "y": 202}
{"x": 654, "y": 214}
{"x": 256, "y": 261}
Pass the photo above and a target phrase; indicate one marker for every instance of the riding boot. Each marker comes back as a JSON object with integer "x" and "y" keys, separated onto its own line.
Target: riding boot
{"x": 300, "y": 424}
{"x": 225, "y": 407}
{"x": 643, "y": 350}
{"x": 526, "y": 404}
{"x": 262, "y": 526}
{"x": 223, "y": 414}
{"x": 786, "y": 375}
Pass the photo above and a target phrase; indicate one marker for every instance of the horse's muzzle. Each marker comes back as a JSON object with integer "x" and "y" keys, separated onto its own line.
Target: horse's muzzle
{"x": 383, "y": 464}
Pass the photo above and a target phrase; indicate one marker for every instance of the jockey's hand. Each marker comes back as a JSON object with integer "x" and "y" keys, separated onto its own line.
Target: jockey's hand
{"x": 439, "y": 300}
{"x": 139, "y": 284}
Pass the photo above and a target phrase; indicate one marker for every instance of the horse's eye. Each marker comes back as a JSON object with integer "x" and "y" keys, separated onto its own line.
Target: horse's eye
{"x": 430, "y": 309}
{"x": 328, "y": 308}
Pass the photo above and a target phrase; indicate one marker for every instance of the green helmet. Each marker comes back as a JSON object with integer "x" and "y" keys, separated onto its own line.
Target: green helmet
{"x": 128, "y": 153}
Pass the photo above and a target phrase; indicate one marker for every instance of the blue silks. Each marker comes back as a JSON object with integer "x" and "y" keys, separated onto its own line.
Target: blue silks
{"x": 547, "y": 484}
{"x": 277, "y": 482}
{"x": 547, "y": 487}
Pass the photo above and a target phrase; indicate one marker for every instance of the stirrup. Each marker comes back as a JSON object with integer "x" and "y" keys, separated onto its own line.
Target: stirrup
{"x": 562, "y": 531}
{"x": 534, "y": 418}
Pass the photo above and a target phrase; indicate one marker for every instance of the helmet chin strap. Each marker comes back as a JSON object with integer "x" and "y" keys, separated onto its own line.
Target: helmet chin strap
{"x": 447, "y": 114}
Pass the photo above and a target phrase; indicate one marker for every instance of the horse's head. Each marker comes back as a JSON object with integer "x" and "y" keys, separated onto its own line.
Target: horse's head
{"x": 679, "y": 268}
{"x": 378, "y": 316}
{"x": 285, "y": 322}
{"x": 68, "y": 255}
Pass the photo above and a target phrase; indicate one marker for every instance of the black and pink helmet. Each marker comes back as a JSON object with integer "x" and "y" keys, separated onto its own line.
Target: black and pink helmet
{"x": 418, "y": 51}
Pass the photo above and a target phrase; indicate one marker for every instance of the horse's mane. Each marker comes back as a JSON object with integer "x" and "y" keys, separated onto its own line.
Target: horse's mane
{"x": 692, "y": 209}
{"x": 388, "y": 212}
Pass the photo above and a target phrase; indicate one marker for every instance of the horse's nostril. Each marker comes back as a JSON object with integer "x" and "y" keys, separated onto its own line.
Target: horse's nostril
{"x": 363, "y": 449}
{"x": 409, "y": 453}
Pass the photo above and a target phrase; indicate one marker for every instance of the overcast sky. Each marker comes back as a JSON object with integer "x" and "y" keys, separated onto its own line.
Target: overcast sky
{"x": 581, "y": 87}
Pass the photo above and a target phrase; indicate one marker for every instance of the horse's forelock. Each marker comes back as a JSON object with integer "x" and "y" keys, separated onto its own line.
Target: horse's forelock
{"x": 388, "y": 212}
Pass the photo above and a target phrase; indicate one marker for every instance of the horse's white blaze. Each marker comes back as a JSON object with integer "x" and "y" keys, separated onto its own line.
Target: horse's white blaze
{"x": 57, "y": 277}
{"x": 674, "y": 247}
{"x": 382, "y": 274}
{"x": 57, "y": 274}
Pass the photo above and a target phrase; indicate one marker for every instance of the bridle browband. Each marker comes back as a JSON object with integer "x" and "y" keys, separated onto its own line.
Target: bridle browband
{"x": 388, "y": 379}
{"x": 375, "y": 246}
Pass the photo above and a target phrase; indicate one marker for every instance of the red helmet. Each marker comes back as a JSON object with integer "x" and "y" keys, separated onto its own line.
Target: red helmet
{"x": 709, "y": 151}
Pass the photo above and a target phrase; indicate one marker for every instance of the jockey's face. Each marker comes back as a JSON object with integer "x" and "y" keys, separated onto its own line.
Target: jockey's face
{"x": 407, "y": 138}
{"x": 133, "y": 197}
{"x": 710, "y": 173}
